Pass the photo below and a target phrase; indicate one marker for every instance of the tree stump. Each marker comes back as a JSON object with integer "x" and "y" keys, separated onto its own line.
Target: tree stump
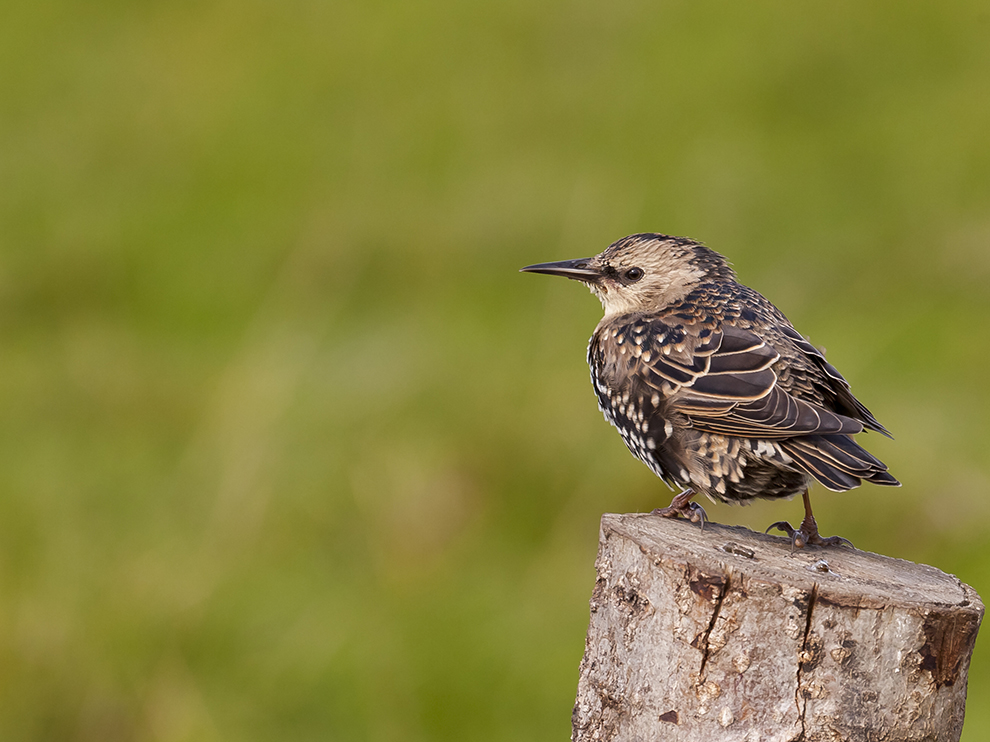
{"x": 725, "y": 634}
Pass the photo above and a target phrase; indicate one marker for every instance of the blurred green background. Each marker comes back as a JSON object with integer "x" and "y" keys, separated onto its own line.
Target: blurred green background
{"x": 289, "y": 448}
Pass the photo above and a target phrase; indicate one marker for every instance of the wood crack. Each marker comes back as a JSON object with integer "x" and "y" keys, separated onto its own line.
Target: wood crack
{"x": 803, "y": 657}
{"x": 719, "y": 599}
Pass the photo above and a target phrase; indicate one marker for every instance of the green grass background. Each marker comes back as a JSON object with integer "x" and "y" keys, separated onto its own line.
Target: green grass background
{"x": 289, "y": 450}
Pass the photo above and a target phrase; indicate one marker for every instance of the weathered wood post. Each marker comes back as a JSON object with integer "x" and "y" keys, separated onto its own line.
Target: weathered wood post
{"x": 724, "y": 634}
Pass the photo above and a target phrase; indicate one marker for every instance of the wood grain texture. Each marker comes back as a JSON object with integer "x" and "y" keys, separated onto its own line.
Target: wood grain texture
{"x": 725, "y": 634}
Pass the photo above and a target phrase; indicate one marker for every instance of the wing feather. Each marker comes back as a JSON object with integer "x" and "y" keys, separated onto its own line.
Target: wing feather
{"x": 839, "y": 390}
{"x": 727, "y": 385}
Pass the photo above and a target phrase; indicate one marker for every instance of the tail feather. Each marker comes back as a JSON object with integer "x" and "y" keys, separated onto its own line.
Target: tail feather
{"x": 837, "y": 461}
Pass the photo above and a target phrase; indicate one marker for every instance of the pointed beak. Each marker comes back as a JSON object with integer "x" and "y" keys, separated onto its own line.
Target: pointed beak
{"x": 579, "y": 270}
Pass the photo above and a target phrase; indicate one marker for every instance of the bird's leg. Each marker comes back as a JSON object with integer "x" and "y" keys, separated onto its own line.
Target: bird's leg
{"x": 808, "y": 532}
{"x": 682, "y": 507}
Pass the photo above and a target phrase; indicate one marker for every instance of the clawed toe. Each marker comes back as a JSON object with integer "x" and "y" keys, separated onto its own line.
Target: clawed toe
{"x": 830, "y": 541}
{"x": 781, "y": 525}
{"x": 682, "y": 507}
{"x": 691, "y": 511}
{"x": 807, "y": 534}
{"x": 798, "y": 539}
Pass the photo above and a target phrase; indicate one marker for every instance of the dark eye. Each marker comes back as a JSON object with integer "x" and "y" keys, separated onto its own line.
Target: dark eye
{"x": 634, "y": 274}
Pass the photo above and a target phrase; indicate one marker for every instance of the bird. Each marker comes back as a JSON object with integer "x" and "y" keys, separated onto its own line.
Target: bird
{"x": 713, "y": 388}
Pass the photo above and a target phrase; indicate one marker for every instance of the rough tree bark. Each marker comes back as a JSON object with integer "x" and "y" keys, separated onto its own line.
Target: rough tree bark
{"x": 724, "y": 634}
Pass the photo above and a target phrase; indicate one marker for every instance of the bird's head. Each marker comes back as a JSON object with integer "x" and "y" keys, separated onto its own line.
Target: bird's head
{"x": 642, "y": 272}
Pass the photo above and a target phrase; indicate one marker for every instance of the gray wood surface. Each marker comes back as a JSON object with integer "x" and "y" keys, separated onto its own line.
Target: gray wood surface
{"x": 725, "y": 634}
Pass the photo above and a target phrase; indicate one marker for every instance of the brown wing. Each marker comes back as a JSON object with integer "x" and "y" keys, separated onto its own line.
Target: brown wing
{"x": 833, "y": 385}
{"x": 725, "y": 383}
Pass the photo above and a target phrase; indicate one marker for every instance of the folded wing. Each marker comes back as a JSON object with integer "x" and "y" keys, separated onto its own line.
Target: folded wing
{"x": 727, "y": 385}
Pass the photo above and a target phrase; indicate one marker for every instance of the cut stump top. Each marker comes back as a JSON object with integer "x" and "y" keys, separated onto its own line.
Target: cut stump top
{"x": 843, "y": 575}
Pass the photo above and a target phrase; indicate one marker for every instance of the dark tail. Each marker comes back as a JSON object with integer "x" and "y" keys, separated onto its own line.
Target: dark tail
{"x": 837, "y": 461}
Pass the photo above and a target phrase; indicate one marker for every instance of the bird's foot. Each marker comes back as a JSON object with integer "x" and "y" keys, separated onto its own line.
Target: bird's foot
{"x": 692, "y": 511}
{"x": 682, "y": 507}
{"x": 807, "y": 534}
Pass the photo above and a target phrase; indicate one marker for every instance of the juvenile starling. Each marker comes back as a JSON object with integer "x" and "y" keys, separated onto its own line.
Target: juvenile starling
{"x": 712, "y": 387}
